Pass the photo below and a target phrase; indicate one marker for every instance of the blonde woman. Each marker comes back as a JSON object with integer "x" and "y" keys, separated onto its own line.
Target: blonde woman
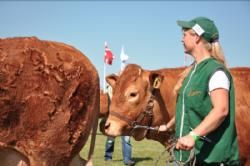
{"x": 205, "y": 109}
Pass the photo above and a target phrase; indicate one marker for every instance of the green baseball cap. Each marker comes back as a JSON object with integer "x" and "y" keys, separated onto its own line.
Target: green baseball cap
{"x": 203, "y": 26}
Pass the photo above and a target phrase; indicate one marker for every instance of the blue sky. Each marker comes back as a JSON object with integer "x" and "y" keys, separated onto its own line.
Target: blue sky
{"x": 147, "y": 29}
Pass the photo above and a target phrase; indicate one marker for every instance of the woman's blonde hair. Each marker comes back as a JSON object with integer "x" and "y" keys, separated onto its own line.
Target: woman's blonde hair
{"x": 216, "y": 52}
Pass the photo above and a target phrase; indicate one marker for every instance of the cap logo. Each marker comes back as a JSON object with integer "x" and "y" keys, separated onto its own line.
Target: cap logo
{"x": 198, "y": 29}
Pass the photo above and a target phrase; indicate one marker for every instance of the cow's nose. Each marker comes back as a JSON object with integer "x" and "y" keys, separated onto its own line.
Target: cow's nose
{"x": 107, "y": 124}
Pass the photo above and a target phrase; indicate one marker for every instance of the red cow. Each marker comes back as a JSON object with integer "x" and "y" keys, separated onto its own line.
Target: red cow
{"x": 49, "y": 98}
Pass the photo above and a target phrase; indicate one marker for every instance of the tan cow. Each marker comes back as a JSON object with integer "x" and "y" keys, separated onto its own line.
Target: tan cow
{"x": 49, "y": 98}
{"x": 136, "y": 101}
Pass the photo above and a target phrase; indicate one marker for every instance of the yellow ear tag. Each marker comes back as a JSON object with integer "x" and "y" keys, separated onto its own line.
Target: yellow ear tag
{"x": 156, "y": 83}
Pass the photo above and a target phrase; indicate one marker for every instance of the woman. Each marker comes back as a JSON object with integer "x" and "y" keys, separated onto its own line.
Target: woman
{"x": 205, "y": 102}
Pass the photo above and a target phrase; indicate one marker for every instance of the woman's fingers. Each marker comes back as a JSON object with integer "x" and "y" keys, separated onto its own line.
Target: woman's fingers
{"x": 185, "y": 143}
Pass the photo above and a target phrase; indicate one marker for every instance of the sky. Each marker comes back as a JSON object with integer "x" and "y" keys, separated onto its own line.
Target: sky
{"x": 147, "y": 29}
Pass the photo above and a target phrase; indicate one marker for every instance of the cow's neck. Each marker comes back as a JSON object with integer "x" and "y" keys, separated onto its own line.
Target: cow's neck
{"x": 166, "y": 101}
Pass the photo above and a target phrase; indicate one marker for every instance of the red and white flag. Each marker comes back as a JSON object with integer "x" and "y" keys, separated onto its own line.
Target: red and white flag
{"x": 108, "y": 55}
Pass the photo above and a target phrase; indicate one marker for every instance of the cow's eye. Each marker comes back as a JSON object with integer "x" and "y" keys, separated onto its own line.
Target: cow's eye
{"x": 133, "y": 94}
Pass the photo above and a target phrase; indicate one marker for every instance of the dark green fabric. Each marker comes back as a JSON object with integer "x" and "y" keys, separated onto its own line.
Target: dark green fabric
{"x": 197, "y": 104}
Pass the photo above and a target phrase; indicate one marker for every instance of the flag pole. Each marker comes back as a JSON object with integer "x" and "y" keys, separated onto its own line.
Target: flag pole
{"x": 104, "y": 68}
{"x": 108, "y": 58}
{"x": 104, "y": 76}
{"x": 122, "y": 65}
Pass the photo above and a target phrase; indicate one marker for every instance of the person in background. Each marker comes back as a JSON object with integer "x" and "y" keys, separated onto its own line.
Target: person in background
{"x": 125, "y": 140}
{"x": 205, "y": 108}
{"x": 126, "y": 149}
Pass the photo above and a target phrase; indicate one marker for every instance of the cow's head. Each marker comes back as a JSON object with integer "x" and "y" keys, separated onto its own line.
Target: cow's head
{"x": 132, "y": 95}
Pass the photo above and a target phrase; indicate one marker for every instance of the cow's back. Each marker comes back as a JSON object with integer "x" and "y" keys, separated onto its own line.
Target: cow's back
{"x": 241, "y": 78}
{"x": 48, "y": 94}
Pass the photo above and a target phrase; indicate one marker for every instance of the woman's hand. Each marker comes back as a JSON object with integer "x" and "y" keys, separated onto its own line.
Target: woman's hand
{"x": 163, "y": 128}
{"x": 168, "y": 126}
{"x": 185, "y": 143}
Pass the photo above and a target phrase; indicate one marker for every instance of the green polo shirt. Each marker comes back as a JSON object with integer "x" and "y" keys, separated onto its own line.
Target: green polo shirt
{"x": 194, "y": 104}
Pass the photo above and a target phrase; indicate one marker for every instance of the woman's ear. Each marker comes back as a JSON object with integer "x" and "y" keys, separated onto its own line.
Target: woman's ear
{"x": 197, "y": 39}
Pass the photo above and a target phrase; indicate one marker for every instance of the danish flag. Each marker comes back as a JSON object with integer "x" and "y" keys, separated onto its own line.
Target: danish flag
{"x": 108, "y": 55}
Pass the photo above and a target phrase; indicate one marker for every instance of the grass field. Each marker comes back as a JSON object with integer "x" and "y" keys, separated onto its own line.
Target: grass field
{"x": 144, "y": 153}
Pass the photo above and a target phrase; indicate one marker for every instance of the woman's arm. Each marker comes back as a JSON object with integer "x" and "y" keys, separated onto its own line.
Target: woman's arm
{"x": 167, "y": 126}
{"x": 216, "y": 116}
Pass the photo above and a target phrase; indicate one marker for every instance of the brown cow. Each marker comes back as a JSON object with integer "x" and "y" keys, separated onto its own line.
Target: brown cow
{"x": 104, "y": 104}
{"x": 133, "y": 103}
{"x": 49, "y": 97}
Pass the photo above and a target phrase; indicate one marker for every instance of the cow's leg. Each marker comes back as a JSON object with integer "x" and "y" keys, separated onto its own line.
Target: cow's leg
{"x": 77, "y": 161}
{"x": 10, "y": 157}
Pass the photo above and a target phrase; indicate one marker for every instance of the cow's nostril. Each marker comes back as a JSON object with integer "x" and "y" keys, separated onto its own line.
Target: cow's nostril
{"x": 107, "y": 125}
{"x": 102, "y": 125}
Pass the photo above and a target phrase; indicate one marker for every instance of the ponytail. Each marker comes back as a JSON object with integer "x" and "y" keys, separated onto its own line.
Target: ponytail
{"x": 217, "y": 52}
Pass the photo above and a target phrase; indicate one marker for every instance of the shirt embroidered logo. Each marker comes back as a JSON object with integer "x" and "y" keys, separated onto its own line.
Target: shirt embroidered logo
{"x": 194, "y": 93}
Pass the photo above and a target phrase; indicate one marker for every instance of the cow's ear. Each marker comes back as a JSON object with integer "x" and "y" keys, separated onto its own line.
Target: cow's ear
{"x": 155, "y": 80}
{"x": 111, "y": 79}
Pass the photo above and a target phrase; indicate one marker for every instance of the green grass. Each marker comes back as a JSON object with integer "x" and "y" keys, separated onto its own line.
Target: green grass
{"x": 144, "y": 153}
